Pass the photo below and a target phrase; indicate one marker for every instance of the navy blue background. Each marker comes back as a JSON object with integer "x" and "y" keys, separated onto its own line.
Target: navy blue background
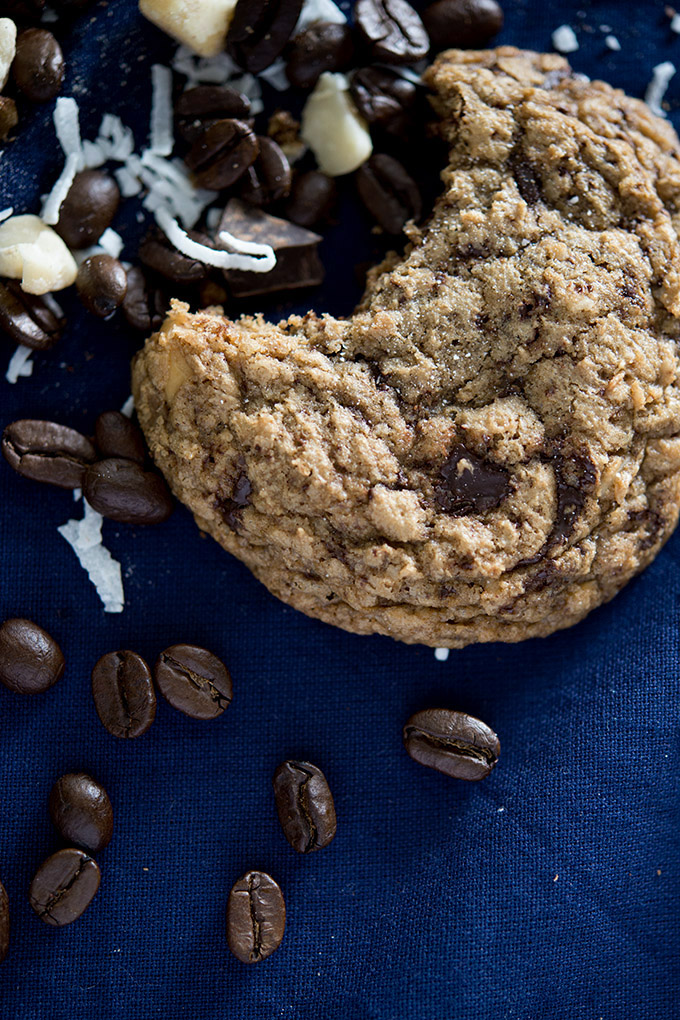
{"x": 548, "y": 891}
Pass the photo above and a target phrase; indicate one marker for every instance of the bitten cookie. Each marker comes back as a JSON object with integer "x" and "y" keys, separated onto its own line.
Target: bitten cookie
{"x": 490, "y": 446}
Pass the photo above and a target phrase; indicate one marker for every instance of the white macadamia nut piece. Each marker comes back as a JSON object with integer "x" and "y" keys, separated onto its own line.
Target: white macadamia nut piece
{"x": 36, "y": 255}
{"x": 199, "y": 24}
{"x": 333, "y": 129}
{"x": 8, "y": 45}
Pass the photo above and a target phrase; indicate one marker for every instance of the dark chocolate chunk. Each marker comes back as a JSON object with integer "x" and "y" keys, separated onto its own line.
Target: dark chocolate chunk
{"x": 232, "y": 506}
{"x": 470, "y": 485}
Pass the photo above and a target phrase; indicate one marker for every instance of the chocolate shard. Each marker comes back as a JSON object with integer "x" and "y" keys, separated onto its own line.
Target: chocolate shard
{"x": 297, "y": 259}
{"x": 469, "y": 484}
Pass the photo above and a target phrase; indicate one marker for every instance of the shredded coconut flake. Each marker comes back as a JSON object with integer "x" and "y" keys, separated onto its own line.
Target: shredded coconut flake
{"x": 564, "y": 39}
{"x": 318, "y": 10}
{"x": 111, "y": 243}
{"x": 675, "y": 23}
{"x": 254, "y": 258}
{"x": 20, "y": 364}
{"x": 77, "y": 494}
{"x": 67, "y": 126}
{"x": 93, "y": 155}
{"x": 441, "y": 654}
{"x": 6, "y": 213}
{"x": 275, "y": 75}
{"x": 85, "y": 538}
{"x": 128, "y": 183}
{"x": 612, "y": 43}
{"x": 128, "y": 407}
{"x": 161, "y": 138}
{"x": 656, "y": 90}
{"x": 62, "y": 186}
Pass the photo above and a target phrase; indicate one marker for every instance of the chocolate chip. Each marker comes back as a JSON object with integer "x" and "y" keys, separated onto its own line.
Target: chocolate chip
{"x": 392, "y": 30}
{"x": 462, "y": 23}
{"x": 389, "y": 192}
{"x": 101, "y": 284}
{"x": 651, "y": 521}
{"x": 30, "y": 320}
{"x": 222, "y": 153}
{"x": 528, "y": 181}
{"x": 313, "y": 195}
{"x": 38, "y": 67}
{"x": 198, "y": 108}
{"x": 259, "y": 30}
{"x": 269, "y": 178}
{"x": 324, "y": 46}
{"x": 470, "y": 485}
{"x": 297, "y": 260}
{"x": 88, "y": 209}
{"x": 231, "y": 507}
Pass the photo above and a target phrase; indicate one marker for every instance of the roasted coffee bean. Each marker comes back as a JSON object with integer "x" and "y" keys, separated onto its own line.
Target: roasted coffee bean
{"x": 469, "y": 484}
{"x": 9, "y": 117}
{"x": 37, "y": 322}
{"x": 198, "y": 108}
{"x": 38, "y": 67}
{"x": 222, "y": 153}
{"x": 101, "y": 284}
{"x": 122, "y": 491}
{"x": 80, "y": 809}
{"x": 384, "y": 99}
{"x": 4, "y": 922}
{"x": 392, "y": 30}
{"x": 324, "y": 46}
{"x": 269, "y": 178}
{"x": 452, "y": 742}
{"x": 116, "y": 436}
{"x": 64, "y": 886}
{"x": 256, "y": 917}
{"x": 304, "y": 804}
{"x": 31, "y": 661}
{"x": 462, "y": 23}
{"x": 47, "y": 452}
{"x": 123, "y": 693}
{"x": 88, "y": 209}
{"x": 389, "y": 193}
{"x": 144, "y": 305}
{"x": 161, "y": 257}
{"x": 312, "y": 197}
{"x": 259, "y": 31}
{"x": 194, "y": 681}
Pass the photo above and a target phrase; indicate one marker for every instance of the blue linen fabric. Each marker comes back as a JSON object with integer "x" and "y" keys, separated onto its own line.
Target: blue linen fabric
{"x": 548, "y": 891}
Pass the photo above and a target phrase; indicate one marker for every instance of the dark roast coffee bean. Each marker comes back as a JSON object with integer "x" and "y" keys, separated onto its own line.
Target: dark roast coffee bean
{"x": 101, "y": 284}
{"x": 452, "y": 742}
{"x": 313, "y": 195}
{"x": 197, "y": 108}
{"x": 4, "y": 922}
{"x": 269, "y": 178}
{"x": 389, "y": 193}
{"x": 304, "y": 804}
{"x": 122, "y": 491}
{"x": 259, "y": 31}
{"x": 324, "y": 46}
{"x": 64, "y": 886}
{"x": 462, "y": 23}
{"x": 30, "y": 659}
{"x": 38, "y": 67}
{"x": 81, "y": 810}
{"x": 88, "y": 209}
{"x": 470, "y": 485}
{"x": 222, "y": 153}
{"x": 116, "y": 436}
{"x": 194, "y": 681}
{"x": 47, "y": 452}
{"x": 384, "y": 99}
{"x": 9, "y": 117}
{"x": 144, "y": 305}
{"x": 123, "y": 693}
{"x": 161, "y": 257}
{"x": 29, "y": 319}
{"x": 392, "y": 30}
{"x": 256, "y": 917}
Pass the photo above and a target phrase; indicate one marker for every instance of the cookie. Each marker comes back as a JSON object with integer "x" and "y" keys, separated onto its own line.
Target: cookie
{"x": 489, "y": 447}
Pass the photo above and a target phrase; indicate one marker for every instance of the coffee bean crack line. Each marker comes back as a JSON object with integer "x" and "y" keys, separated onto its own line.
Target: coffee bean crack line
{"x": 257, "y": 935}
{"x": 201, "y": 683}
{"x": 303, "y": 801}
{"x": 483, "y": 754}
{"x": 120, "y": 677}
{"x": 55, "y": 898}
